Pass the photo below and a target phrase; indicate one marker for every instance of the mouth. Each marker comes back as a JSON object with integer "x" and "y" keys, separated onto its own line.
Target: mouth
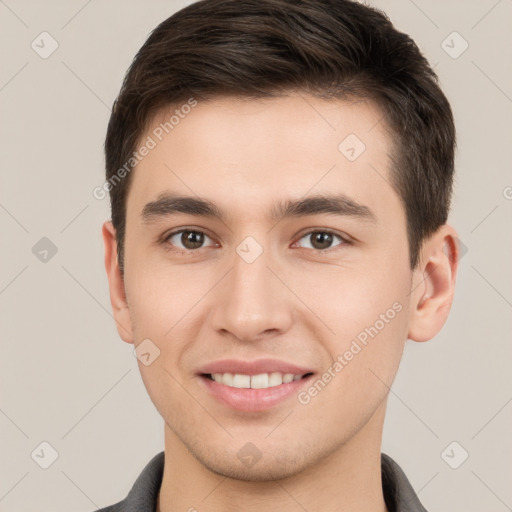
{"x": 253, "y": 386}
{"x": 254, "y": 393}
{"x": 259, "y": 381}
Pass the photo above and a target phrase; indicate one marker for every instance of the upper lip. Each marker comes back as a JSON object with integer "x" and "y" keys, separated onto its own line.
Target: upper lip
{"x": 253, "y": 367}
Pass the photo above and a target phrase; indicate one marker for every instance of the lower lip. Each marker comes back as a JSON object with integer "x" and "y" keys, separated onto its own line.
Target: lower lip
{"x": 253, "y": 400}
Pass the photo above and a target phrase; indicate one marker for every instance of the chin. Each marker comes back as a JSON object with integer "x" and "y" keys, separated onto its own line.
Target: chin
{"x": 262, "y": 471}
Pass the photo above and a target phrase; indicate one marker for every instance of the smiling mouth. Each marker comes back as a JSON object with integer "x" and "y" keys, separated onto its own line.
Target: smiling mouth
{"x": 259, "y": 381}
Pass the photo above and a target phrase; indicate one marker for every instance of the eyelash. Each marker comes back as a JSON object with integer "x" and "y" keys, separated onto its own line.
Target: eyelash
{"x": 169, "y": 247}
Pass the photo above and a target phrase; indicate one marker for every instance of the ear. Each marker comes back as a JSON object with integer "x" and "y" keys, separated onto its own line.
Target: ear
{"x": 433, "y": 284}
{"x": 116, "y": 284}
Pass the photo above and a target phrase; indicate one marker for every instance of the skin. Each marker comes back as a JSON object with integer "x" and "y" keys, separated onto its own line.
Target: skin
{"x": 292, "y": 303}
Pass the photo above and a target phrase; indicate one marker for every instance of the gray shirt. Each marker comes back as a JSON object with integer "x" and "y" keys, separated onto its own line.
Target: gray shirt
{"x": 398, "y": 492}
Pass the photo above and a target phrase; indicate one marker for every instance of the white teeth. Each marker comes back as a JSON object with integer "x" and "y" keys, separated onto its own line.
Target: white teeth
{"x": 260, "y": 381}
{"x": 226, "y": 378}
{"x": 275, "y": 379}
{"x": 241, "y": 381}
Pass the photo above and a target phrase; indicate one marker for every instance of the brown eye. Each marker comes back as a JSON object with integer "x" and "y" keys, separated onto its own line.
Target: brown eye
{"x": 189, "y": 239}
{"x": 322, "y": 240}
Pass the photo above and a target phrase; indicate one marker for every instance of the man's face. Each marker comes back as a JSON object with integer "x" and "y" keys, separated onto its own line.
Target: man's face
{"x": 253, "y": 288}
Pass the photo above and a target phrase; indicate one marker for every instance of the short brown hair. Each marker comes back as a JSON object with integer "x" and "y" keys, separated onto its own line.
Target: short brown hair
{"x": 333, "y": 49}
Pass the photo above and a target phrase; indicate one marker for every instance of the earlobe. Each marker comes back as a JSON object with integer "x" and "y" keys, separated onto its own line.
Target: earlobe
{"x": 433, "y": 284}
{"x": 118, "y": 300}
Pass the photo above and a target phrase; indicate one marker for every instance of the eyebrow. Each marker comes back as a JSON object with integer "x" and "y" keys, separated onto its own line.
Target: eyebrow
{"x": 168, "y": 204}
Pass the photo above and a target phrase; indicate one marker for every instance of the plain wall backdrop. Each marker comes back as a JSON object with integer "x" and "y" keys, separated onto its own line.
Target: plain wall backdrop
{"x": 67, "y": 379}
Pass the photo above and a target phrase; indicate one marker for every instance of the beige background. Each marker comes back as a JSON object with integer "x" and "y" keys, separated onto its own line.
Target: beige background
{"x": 65, "y": 376}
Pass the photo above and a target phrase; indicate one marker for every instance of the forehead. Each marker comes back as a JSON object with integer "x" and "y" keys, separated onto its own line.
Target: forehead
{"x": 246, "y": 154}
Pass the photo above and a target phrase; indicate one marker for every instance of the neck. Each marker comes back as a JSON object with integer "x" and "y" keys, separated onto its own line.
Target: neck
{"x": 349, "y": 479}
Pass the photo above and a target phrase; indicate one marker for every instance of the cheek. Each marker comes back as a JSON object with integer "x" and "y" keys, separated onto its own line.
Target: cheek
{"x": 367, "y": 313}
{"x": 163, "y": 304}
{"x": 349, "y": 299}
{"x": 372, "y": 343}
{"x": 365, "y": 359}
{"x": 162, "y": 297}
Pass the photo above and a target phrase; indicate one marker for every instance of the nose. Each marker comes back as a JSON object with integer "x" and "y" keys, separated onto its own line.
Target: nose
{"x": 252, "y": 302}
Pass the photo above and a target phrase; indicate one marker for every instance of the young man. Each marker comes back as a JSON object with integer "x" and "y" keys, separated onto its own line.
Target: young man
{"x": 280, "y": 176}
